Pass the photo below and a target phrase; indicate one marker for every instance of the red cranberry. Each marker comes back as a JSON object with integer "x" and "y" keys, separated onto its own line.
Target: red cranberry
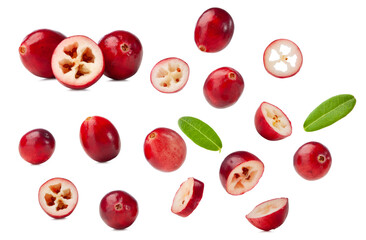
{"x": 122, "y": 53}
{"x": 37, "y": 146}
{"x": 223, "y": 87}
{"x": 118, "y": 209}
{"x": 165, "y": 149}
{"x": 214, "y": 30}
{"x": 312, "y": 161}
{"x": 36, "y": 51}
{"x": 100, "y": 139}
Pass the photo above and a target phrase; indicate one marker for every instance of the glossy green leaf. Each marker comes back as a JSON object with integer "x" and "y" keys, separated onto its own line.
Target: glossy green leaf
{"x": 329, "y": 112}
{"x": 200, "y": 133}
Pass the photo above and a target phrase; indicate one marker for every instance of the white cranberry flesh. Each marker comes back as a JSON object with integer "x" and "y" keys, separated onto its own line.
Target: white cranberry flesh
{"x": 169, "y": 75}
{"x": 282, "y": 58}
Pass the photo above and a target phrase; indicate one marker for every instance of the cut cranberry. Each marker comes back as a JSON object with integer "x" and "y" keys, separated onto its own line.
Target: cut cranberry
{"x": 58, "y": 197}
{"x": 187, "y": 197}
{"x": 282, "y": 58}
{"x": 271, "y": 123}
{"x": 270, "y": 214}
{"x": 77, "y": 62}
{"x": 169, "y": 75}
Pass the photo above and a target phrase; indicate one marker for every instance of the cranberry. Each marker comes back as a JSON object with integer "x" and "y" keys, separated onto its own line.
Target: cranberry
{"x": 37, "y": 146}
{"x": 77, "y": 62}
{"x": 271, "y": 123}
{"x": 58, "y": 197}
{"x": 170, "y": 75}
{"x": 36, "y": 51}
{"x": 223, "y": 87}
{"x": 118, "y": 209}
{"x": 214, "y": 30}
{"x": 100, "y": 139}
{"x": 312, "y": 161}
{"x": 165, "y": 149}
{"x": 240, "y": 172}
{"x": 122, "y": 53}
{"x": 282, "y": 58}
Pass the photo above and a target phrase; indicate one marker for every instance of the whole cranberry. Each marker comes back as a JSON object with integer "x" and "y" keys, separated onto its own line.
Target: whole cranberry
{"x": 165, "y": 149}
{"x": 223, "y": 87}
{"x": 312, "y": 161}
{"x": 100, "y": 139}
{"x": 214, "y": 30}
{"x": 36, "y": 51}
{"x": 37, "y": 146}
{"x": 122, "y": 53}
{"x": 118, "y": 209}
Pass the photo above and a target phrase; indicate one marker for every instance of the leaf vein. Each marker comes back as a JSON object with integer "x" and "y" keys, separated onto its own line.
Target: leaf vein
{"x": 201, "y": 133}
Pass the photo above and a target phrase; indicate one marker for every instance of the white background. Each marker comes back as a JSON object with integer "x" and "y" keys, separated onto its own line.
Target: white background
{"x": 331, "y": 37}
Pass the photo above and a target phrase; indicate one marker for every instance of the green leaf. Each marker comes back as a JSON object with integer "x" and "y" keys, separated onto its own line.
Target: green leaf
{"x": 200, "y": 133}
{"x": 329, "y": 112}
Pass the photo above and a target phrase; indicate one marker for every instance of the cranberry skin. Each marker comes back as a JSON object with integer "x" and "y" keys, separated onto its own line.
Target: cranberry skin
{"x": 122, "y": 53}
{"x": 100, "y": 139}
{"x": 118, "y": 209}
{"x": 312, "y": 161}
{"x": 214, "y": 30}
{"x": 165, "y": 149}
{"x": 37, "y": 146}
{"x": 223, "y": 87}
{"x": 36, "y": 51}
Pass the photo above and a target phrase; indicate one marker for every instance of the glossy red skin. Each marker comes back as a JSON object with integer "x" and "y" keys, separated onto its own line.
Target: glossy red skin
{"x": 120, "y": 64}
{"x": 271, "y": 221}
{"x": 221, "y": 90}
{"x": 166, "y": 150}
{"x": 264, "y": 129}
{"x": 198, "y": 187}
{"x": 100, "y": 139}
{"x": 214, "y": 30}
{"x": 36, "y": 51}
{"x": 126, "y": 212}
{"x": 37, "y": 146}
{"x": 306, "y": 161}
{"x": 264, "y": 59}
{"x": 71, "y": 210}
{"x": 231, "y": 162}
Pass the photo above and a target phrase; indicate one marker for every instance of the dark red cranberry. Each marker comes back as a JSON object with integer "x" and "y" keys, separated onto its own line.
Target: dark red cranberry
{"x": 37, "y": 146}
{"x": 122, "y": 53}
{"x": 214, "y": 30}
{"x": 118, "y": 209}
